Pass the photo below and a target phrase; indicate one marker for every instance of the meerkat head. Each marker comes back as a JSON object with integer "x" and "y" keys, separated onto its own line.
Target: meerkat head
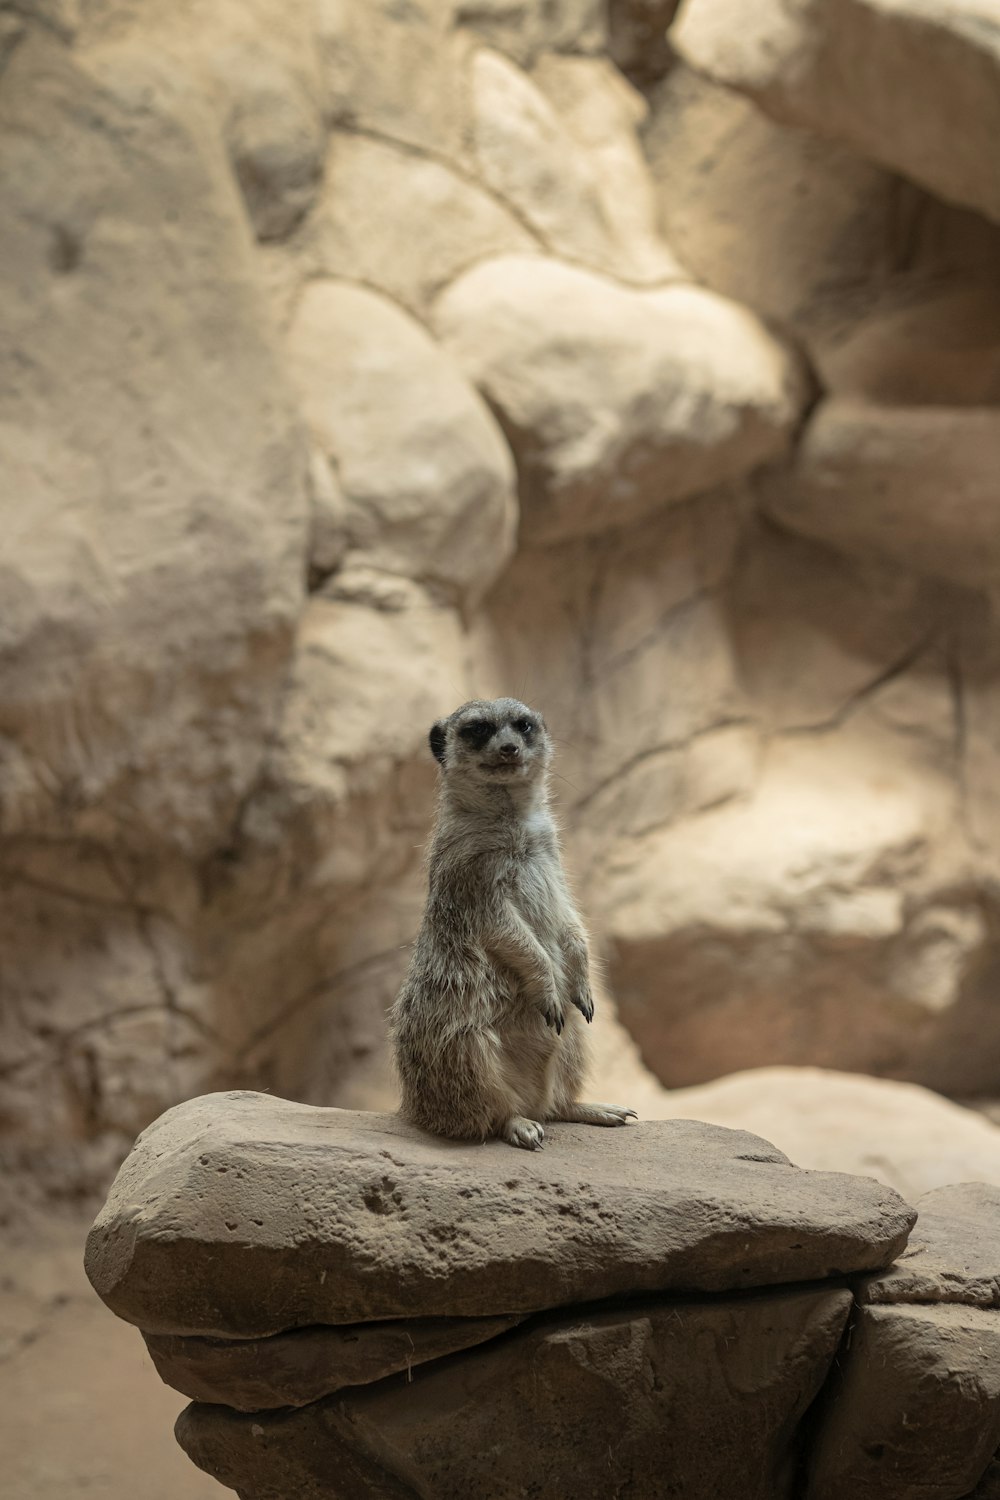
{"x": 492, "y": 742}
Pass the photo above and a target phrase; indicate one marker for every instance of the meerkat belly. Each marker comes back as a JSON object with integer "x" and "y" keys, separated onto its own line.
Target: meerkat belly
{"x": 539, "y": 896}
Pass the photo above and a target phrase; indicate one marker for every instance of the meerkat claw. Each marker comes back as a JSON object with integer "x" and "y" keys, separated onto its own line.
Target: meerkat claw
{"x": 585, "y": 1006}
{"x": 527, "y": 1134}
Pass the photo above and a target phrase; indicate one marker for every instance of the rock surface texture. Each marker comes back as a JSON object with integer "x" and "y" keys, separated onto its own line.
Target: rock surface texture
{"x": 359, "y": 1309}
{"x": 238, "y": 1215}
{"x": 357, "y": 359}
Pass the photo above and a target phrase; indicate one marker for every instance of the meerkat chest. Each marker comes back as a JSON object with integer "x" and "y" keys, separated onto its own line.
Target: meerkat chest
{"x": 537, "y": 885}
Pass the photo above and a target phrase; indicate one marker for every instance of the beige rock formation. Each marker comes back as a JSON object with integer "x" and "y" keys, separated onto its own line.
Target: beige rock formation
{"x": 359, "y": 359}
{"x": 132, "y": 498}
{"x": 905, "y": 1135}
{"x": 916, "y": 1410}
{"x": 905, "y": 484}
{"x": 910, "y": 83}
{"x": 452, "y": 221}
{"x": 402, "y": 1224}
{"x": 236, "y": 1213}
{"x": 616, "y": 402}
{"x": 426, "y": 475}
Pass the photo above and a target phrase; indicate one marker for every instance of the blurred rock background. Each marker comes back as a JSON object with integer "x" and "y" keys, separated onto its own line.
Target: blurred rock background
{"x": 361, "y": 356}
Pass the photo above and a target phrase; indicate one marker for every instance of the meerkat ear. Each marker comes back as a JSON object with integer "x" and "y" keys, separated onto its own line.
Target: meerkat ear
{"x": 437, "y": 741}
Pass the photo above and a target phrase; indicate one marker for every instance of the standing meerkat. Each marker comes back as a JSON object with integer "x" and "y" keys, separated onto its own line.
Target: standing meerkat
{"x": 488, "y": 1028}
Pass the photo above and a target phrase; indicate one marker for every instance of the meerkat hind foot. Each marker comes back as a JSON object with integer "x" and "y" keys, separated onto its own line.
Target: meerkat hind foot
{"x": 519, "y": 1131}
{"x": 595, "y": 1114}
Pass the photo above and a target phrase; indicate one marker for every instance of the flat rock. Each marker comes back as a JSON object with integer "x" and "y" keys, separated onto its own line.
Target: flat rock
{"x": 240, "y": 1215}
{"x": 617, "y": 402}
{"x": 953, "y": 1254}
{"x": 914, "y": 1413}
{"x": 650, "y": 1400}
{"x": 295, "y": 1368}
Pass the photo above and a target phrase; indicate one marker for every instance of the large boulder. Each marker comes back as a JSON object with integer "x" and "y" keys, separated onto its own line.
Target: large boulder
{"x": 703, "y": 1399}
{"x": 426, "y": 475}
{"x": 452, "y": 222}
{"x": 778, "y": 218}
{"x": 911, "y": 485}
{"x": 728, "y": 932}
{"x": 617, "y": 402}
{"x": 529, "y": 158}
{"x": 238, "y": 1215}
{"x": 153, "y": 462}
{"x": 914, "y": 1410}
{"x": 954, "y": 1257}
{"x": 604, "y": 114}
{"x": 914, "y": 84}
{"x": 905, "y": 1135}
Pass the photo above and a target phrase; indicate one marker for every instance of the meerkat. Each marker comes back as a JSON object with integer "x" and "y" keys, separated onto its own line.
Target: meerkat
{"x": 489, "y": 1028}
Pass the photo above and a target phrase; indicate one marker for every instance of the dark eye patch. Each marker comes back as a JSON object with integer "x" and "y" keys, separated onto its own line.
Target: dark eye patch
{"x": 476, "y": 732}
{"x": 524, "y": 726}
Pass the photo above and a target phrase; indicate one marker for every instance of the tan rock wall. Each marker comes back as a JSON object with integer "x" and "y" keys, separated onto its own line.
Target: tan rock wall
{"x": 353, "y": 361}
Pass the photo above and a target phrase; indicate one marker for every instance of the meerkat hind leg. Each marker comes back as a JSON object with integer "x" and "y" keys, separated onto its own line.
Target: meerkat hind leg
{"x": 593, "y": 1114}
{"x": 520, "y": 1131}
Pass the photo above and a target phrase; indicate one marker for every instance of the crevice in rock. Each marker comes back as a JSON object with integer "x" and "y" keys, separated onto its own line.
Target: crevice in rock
{"x": 622, "y": 772}
{"x": 299, "y": 1002}
{"x": 895, "y": 669}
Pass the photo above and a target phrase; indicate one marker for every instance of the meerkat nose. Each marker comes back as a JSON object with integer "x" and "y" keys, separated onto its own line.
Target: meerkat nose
{"x": 509, "y": 751}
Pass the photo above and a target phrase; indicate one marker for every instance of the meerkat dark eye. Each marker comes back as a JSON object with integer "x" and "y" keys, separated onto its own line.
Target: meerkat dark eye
{"x": 526, "y": 727}
{"x": 476, "y": 732}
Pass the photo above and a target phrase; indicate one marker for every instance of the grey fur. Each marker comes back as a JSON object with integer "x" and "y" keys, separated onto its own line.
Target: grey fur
{"x": 488, "y": 1029}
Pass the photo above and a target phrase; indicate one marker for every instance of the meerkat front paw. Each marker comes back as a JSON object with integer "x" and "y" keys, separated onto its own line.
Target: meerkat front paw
{"x": 553, "y": 1014}
{"x": 584, "y": 1002}
{"x": 519, "y": 1131}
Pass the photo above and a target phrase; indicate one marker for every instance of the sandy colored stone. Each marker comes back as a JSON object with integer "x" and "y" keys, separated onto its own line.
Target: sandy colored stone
{"x": 914, "y": 84}
{"x": 238, "y": 1215}
{"x": 604, "y": 113}
{"x": 910, "y": 485}
{"x": 426, "y": 474}
{"x": 953, "y": 1254}
{"x": 276, "y": 141}
{"x": 905, "y": 1135}
{"x": 616, "y": 402}
{"x": 329, "y": 530}
{"x": 376, "y": 662}
{"x": 978, "y": 667}
{"x": 703, "y": 1399}
{"x": 153, "y": 461}
{"x": 728, "y": 931}
{"x": 395, "y": 70}
{"x": 778, "y": 218}
{"x": 935, "y": 346}
{"x": 522, "y": 28}
{"x": 529, "y": 158}
{"x": 451, "y": 221}
{"x": 914, "y": 1410}
{"x": 813, "y": 635}
{"x": 294, "y": 1369}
